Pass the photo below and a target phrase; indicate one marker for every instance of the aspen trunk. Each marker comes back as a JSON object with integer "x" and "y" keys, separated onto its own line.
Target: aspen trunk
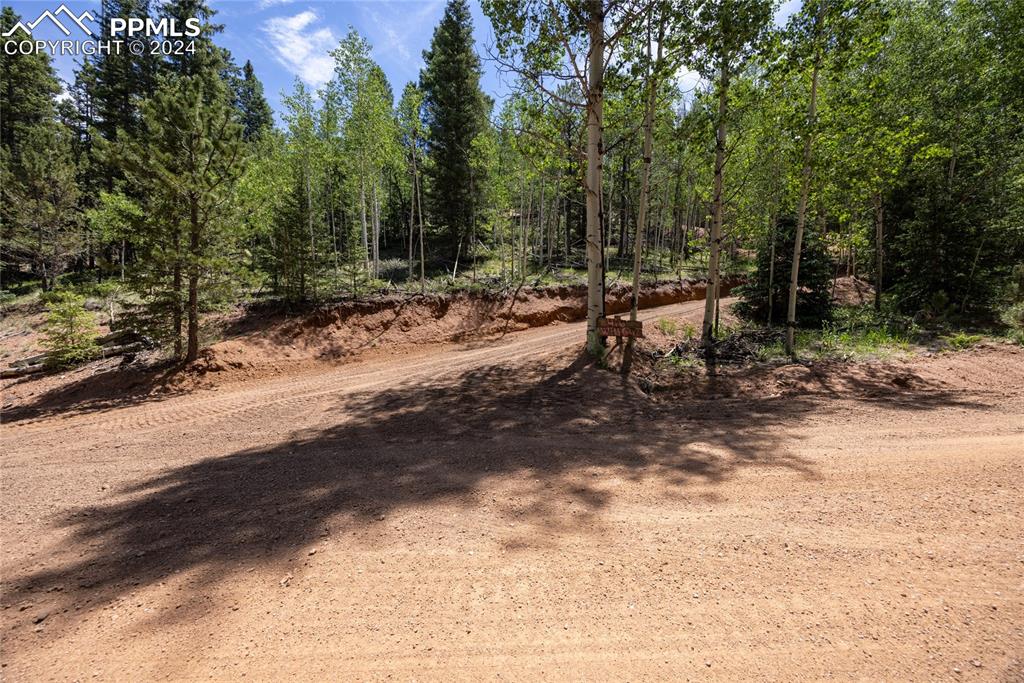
{"x": 645, "y": 182}
{"x": 595, "y": 113}
{"x": 419, "y": 210}
{"x": 801, "y": 217}
{"x": 362, "y": 210}
{"x": 707, "y": 331}
{"x": 771, "y": 273}
{"x": 645, "y": 188}
{"x": 412, "y": 207}
{"x": 312, "y": 238}
{"x": 376, "y": 230}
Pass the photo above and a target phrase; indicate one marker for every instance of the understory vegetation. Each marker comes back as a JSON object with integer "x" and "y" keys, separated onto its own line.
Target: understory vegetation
{"x": 853, "y": 333}
{"x": 882, "y": 139}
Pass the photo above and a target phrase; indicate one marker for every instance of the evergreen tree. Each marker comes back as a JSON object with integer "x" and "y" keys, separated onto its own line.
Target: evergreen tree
{"x": 297, "y": 224}
{"x": 27, "y": 88}
{"x": 206, "y": 60}
{"x": 69, "y": 336}
{"x": 188, "y": 159}
{"x": 764, "y": 297}
{"x": 108, "y": 93}
{"x": 121, "y": 79}
{"x": 78, "y": 113}
{"x": 43, "y": 202}
{"x": 255, "y": 114}
{"x": 455, "y": 111}
{"x": 410, "y": 122}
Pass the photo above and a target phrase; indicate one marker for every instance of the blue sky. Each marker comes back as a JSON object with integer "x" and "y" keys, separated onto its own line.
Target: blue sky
{"x": 288, "y": 39}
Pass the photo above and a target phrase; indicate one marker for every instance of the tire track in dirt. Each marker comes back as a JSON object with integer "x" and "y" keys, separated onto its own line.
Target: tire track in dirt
{"x": 293, "y": 393}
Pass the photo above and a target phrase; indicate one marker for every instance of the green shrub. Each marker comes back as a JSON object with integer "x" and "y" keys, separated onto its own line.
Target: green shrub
{"x": 1013, "y": 316}
{"x": 667, "y": 327}
{"x": 962, "y": 340}
{"x": 70, "y": 331}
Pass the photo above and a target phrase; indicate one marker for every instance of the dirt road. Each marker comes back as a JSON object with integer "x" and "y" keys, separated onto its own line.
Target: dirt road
{"x": 505, "y": 510}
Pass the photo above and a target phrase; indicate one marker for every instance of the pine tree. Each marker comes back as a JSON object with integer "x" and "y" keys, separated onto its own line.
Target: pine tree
{"x": 455, "y": 110}
{"x": 27, "y": 88}
{"x": 206, "y": 60}
{"x": 297, "y": 224}
{"x": 69, "y": 336}
{"x": 43, "y": 200}
{"x": 254, "y": 111}
{"x": 767, "y": 289}
{"x": 188, "y": 159}
{"x": 121, "y": 79}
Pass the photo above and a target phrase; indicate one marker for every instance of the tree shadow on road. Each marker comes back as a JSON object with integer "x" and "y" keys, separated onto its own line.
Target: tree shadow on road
{"x": 564, "y": 426}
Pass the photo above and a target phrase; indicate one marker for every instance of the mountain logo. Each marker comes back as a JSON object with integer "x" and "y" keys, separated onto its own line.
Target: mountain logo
{"x": 77, "y": 20}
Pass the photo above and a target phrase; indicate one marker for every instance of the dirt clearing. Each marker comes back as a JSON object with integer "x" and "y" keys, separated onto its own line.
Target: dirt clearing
{"x": 505, "y": 509}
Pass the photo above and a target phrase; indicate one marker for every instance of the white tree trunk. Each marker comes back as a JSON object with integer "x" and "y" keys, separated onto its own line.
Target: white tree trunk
{"x": 801, "y": 216}
{"x": 362, "y": 208}
{"x": 376, "y": 230}
{"x": 645, "y": 175}
{"x": 707, "y": 329}
{"x": 412, "y": 207}
{"x": 595, "y": 112}
{"x": 419, "y": 210}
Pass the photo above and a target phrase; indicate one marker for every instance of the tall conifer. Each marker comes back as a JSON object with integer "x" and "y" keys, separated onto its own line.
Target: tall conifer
{"x": 455, "y": 110}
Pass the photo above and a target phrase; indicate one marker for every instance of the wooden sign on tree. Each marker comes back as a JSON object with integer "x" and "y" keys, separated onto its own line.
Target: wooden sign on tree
{"x": 617, "y": 327}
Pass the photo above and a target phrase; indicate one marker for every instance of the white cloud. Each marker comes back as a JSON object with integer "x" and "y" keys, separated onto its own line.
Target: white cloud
{"x": 303, "y": 47}
{"x": 393, "y": 40}
{"x": 396, "y": 42}
{"x": 264, "y": 4}
{"x": 393, "y": 26}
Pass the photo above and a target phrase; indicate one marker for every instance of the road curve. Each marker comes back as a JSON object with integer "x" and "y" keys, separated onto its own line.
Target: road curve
{"x": 308, "y": 387}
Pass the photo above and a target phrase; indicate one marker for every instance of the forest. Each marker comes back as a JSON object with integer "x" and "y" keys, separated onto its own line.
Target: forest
{"x": 641, "y": 140}
{"x": 629, "y": 340}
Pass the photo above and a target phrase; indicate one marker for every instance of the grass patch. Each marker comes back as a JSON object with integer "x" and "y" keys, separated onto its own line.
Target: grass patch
{"x": 961, "y": 340}
{"x": 855, "y": 333}
{"x": 685, "y": 362}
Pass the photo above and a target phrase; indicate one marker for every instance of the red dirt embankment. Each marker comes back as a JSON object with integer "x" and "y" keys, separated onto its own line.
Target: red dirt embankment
{"x": 262, "y": 345}
{"x": 391, "y": 323}
{"x": 852, "y": 291}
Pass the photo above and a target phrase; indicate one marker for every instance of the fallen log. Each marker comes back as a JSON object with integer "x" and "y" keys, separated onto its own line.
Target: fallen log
{"x": 31, "y": 360}
{"x": 111, "y": 351}
{"x": 28, "y": 366}
{"x": 13, "y": 372}
{"x": 120, "y": 337}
